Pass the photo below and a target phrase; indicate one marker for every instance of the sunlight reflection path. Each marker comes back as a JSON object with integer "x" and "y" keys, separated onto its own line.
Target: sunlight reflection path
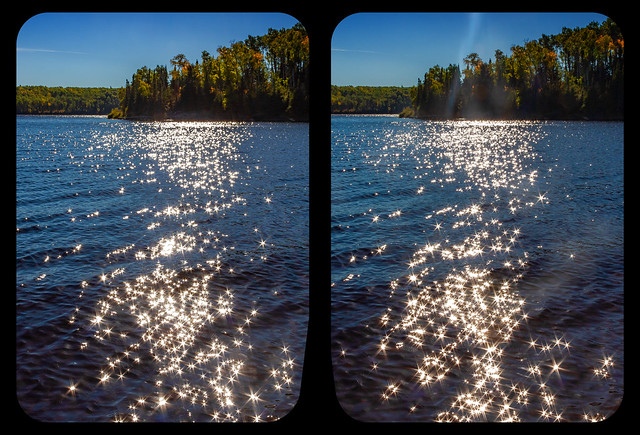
{"x": 175, "y": 328}
{"x": 456, "y": 309}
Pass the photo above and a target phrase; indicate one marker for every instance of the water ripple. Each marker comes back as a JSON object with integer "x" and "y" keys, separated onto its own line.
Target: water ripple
{"x": 489, "y": 301}
{"x": 155, "y": 282}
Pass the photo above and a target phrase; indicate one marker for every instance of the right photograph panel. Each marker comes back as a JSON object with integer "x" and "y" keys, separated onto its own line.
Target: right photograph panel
{"x": 477, "y": 196}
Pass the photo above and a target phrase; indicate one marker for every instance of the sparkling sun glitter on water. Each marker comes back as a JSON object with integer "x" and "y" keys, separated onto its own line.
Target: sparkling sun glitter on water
{"x": 181, "y": 298}
{"x": 449, "y": 233}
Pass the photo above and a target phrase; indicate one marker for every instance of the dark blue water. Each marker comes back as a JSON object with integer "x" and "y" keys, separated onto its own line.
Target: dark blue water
{"x": 161, "y": 269}
{"x": 477, "y": 269}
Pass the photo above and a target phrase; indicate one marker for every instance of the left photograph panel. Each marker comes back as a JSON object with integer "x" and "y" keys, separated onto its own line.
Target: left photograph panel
{"x": 162, "y": 216}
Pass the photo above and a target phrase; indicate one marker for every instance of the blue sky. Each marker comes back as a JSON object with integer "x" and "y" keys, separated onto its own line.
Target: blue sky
{"x": 395, "y": 49}
{"x": 105, "y": 49}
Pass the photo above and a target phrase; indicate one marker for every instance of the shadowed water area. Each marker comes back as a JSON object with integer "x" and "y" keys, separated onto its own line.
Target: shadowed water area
{"x": 477, "y": 269}
{"x": 161, "y": 269}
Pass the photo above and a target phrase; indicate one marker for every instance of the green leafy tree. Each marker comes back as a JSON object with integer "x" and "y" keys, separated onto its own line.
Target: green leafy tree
{"x": 578, "y": 73}
{"x": 263, "y": 77}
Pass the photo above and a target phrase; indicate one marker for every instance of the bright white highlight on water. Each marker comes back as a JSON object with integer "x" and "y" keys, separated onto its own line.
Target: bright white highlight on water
{"x": 183, "y": 308}
{"x": 456, "y": 206}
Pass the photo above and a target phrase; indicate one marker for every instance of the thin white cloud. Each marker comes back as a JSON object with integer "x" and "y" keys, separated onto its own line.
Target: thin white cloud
{"x": 46, "y": 50}
{"x": 355, "y": 51}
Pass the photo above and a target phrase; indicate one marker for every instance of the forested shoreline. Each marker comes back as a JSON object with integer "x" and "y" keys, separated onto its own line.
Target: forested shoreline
{"x": 370, "y": 99}
{"x": 576, "y": 74}
{"x": 43, "y": 100}
{"x": 261, "y": 78}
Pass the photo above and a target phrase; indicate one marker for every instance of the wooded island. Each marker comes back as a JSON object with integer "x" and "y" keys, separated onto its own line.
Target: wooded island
{"x": 261, "y": 78}
{"x": 577, "y": 74}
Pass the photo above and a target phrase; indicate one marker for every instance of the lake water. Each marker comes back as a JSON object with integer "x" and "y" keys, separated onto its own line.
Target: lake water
{"x": 477, "y": 269}
{"x": 161, "y": 269}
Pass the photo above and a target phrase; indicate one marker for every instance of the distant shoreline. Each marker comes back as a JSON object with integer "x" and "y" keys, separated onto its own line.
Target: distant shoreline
{"x": 399, "y": 115}
{"x": 58, "y": 100}
{"x": 178, "y": 118}
{"x": 195, "y": 119}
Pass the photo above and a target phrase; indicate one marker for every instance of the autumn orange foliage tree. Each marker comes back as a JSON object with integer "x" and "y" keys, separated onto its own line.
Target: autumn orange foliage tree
{"x": 262, "y": 77}
{"x": 576, "y": 74}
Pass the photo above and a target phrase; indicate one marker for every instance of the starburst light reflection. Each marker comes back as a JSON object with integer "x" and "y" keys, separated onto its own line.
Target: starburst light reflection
{"x": 183, "y": 320}
{"x": 455, "y": 318}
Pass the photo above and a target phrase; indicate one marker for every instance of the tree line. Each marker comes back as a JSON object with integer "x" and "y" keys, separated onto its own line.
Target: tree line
{"x": 65, "y": 100}
{"x": 261, "y": 78}
{"x": 576, "y": 74}
{"x": 369, "y": 99}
